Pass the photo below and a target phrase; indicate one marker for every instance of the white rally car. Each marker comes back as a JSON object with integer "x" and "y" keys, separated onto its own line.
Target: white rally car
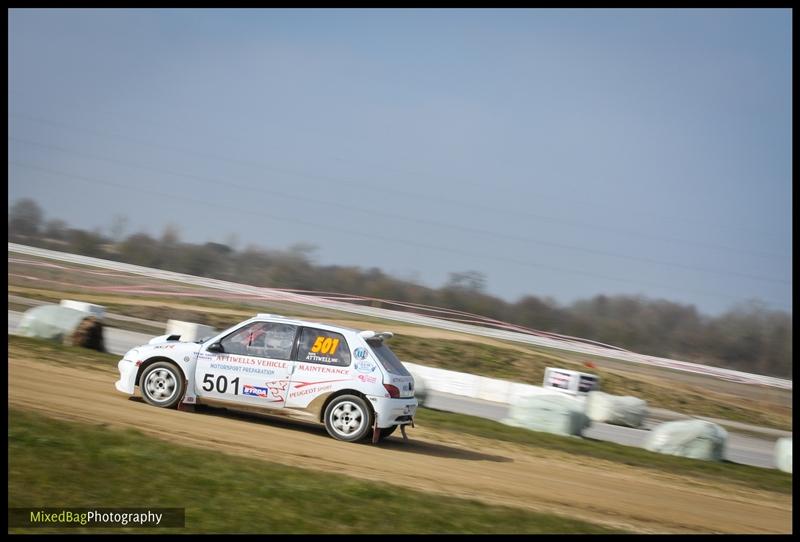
{"x": 347, "y": 379}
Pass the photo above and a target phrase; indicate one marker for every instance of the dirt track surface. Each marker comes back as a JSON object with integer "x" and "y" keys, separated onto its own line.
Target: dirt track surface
{"x": 450, "y": 464}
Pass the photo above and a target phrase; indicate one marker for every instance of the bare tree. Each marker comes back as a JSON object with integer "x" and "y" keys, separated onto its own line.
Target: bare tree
{"x": 474, "y": 281}
{"x": 55, "y": 229}
{"x": 25, "y": 218}
{"x": 119, "y": 226}
{"x": 171, "y": 235}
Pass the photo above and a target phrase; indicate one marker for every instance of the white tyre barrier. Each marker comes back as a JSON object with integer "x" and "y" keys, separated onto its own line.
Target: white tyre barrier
{"x": 549, "y": 413}
{"x": 493, "y": 389}
{"x": 98, "y": 311}
{"x": 616, "y": 409}
{"x": 420, "y": 389}
{"x": 696, "y": 439}
{"x": 189, "y": 331}
{"x": 783, "y": 454}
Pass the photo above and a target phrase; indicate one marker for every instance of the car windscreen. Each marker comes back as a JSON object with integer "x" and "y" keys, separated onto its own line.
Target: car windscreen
{"x": 388, "y": 359}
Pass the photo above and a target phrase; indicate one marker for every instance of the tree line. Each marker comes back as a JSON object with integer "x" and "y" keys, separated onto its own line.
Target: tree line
{"x": 748, "y": 337}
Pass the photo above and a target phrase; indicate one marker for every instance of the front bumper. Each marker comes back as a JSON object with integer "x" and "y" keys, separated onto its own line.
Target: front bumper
{"x": 393, "y": 411}
{"x": 127, "y": 376}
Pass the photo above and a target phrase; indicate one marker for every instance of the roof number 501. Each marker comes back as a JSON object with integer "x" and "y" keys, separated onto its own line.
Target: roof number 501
{"x": 325, "y": 345}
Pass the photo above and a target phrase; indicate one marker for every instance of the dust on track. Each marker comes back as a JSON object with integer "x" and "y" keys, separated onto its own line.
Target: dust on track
{"x": 451, "y": 464}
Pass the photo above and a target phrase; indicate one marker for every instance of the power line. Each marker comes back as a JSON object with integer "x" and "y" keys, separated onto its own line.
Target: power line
{"x": 405, "y": 171}
{"x": 384, "y": 214}
{"x": 416, "y": 196}
{"x": 328, "y": 227}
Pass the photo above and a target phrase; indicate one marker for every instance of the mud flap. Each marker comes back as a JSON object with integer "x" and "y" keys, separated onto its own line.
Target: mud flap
{"x": 376, "y": 434}
{"x": 186, "y": 404}
{"x": 403, "y": 430}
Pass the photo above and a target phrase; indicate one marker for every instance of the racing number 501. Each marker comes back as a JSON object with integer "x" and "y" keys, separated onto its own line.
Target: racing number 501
{"x": 221, "y": 384}
{"x": 325, "y": 345}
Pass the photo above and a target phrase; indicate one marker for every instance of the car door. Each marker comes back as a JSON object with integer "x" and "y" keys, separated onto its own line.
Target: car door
{"x": 253, "y": 366}
{"x": 322, "y": 365}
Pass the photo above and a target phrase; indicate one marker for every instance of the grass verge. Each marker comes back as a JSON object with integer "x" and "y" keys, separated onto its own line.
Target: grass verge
{"x": 54, "y": 463}
{"x": 58, "y": 354}
{"x": 725, "y": 471}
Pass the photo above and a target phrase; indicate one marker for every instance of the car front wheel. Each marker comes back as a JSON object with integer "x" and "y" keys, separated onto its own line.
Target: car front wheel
{"x": 348, "y": 418}
{"x": 162, "y": 384}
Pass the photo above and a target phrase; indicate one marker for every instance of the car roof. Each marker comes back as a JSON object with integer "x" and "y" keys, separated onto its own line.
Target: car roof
{"x": 263, "y": 317}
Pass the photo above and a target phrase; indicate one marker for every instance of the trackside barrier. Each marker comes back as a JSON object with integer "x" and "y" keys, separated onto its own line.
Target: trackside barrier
{"x": 783, "y": 454}
{"x": 696, "y": 439}
{"x": 97, "y": 311}
{"x": 552, "y": 412}
{"x": 188, "y": 330}
{"x": 477, "y": 387}
{"x": 615, "y": 409}
{"x": 490, "y": 389}
{"x": 407, "y": 317}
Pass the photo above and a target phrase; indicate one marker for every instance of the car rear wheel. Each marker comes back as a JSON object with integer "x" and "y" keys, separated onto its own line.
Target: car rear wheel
{"x": 386, "y": 431}
{"x": 162, "y": 384}
{"x": 348, "y": 418}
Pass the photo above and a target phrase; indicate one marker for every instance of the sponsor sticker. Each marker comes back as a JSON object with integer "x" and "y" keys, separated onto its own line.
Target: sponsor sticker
{"x": 364, "y": 366}
{"x": 360, "y": 353}
{"x": 258, "y": 362}
{"x": 586, "y": 383}
{"x": 309, "y": 391}
{"x": 254, "y": 391}
{"x": 559, "y": 380}
{"x": 241, "y": 369}
{"x": 325, "y": 345}
{"x": 320, "y": 359}
{"x": 322, "y": 369}
{"x": 277, "y": 389}
{"x": 367, "y": 378}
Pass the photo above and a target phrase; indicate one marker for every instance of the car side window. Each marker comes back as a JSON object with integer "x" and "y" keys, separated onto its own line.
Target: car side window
{"x": 324, "y": 347}
{"x": 261, "y": 339}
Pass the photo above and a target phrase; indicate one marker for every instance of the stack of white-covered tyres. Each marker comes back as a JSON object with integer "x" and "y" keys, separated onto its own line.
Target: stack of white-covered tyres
{"x": 98, "y": 311}
{"x": 556, "y": 413}
{"x": 616, "y": 409}
{"x": 696, "y": 439}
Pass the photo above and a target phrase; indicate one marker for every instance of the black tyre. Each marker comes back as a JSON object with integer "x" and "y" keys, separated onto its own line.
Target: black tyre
{"x": 162, "y": 384}
{"x": 348, "y": 418}
{"x": 386, "y": 431}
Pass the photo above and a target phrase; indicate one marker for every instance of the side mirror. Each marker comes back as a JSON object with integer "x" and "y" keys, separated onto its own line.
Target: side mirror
{"x": 216, "y": 347}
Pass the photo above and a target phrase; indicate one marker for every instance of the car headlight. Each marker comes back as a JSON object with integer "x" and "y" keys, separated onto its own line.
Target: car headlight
{"x": 131, "y": 354}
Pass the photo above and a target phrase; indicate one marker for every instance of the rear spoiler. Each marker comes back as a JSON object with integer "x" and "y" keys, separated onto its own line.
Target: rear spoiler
{"x": 373, "y": 336}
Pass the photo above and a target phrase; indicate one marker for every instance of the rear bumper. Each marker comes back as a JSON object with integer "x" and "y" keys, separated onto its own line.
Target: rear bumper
{"x": 393, "y": 411}
{"x": 127, "y": 376}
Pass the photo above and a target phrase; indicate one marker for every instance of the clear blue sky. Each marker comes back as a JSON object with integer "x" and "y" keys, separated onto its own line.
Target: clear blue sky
{"x": 562, "y": 153}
